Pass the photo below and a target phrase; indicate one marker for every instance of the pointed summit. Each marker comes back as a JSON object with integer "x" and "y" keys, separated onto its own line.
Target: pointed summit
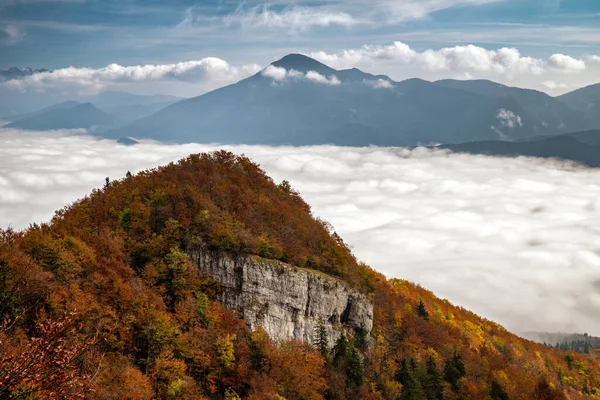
{"x": 303, "y": 63}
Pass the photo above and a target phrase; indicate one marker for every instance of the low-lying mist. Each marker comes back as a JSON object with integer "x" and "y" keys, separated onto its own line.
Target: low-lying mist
{"x": 515, "y": 240}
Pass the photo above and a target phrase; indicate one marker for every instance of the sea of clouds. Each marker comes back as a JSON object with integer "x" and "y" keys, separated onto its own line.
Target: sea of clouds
{"x": 515, "y": 240}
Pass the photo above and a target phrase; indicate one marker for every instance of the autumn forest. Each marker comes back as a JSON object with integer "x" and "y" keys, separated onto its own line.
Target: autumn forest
{"x": 103, "y": 302}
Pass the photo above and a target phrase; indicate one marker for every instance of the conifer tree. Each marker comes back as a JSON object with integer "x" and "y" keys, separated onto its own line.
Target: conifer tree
{"x": 434, "y": 389}
{"x": 354, "y": 368}
{"x": 497, "y": 392}
{"x": 454, "y": 370}
{"x": 321, "y": 340}
{"x": 409, "y": 376}
{"x": 421, "y": 311}
{"x": 361, "y": 337}
{"x": 340, "y": 350}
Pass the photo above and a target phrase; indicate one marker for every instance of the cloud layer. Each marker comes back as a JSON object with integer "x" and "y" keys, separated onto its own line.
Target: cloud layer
{"x": 91, "y": 79}
{"x": 504, "y": 61}
{"x": 515, "y": 240}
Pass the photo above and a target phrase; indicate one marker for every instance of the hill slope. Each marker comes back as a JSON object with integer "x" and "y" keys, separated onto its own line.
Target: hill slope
{"x": 552, "y": 113}
{"x": 298, "y": 100}
{"x": 585, "y": 100}
{"x": 143, "y": 323}
{"x": 580, "y": 147}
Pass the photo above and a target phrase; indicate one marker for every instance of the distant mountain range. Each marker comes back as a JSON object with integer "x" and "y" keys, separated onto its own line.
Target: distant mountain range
{"x": 17, "y": 73}
{"x": 122, "y": 107}
{"x": 68, "y": 115}
{"x": 300, "y": 101}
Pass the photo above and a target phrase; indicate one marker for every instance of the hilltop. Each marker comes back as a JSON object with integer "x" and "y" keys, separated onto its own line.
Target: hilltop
{"x": 114, "y": 286}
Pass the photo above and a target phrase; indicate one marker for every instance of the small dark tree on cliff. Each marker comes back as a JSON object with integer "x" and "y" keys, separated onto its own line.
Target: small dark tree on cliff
{"x": 321, "y": 340}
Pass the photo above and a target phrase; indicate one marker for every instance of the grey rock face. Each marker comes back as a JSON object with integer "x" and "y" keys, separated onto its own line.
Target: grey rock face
{"x": 287, "y": 302}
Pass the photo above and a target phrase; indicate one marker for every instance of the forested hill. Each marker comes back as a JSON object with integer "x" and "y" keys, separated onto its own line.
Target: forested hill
{"x": 104, "y": 303}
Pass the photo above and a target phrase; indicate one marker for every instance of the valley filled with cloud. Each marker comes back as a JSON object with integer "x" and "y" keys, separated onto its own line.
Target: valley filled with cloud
{"x": 516, "y": 241}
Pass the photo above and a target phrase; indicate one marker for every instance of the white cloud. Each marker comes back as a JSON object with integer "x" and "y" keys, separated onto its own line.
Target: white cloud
{"x": 567, "y": 64}
{"x": 508, "y": 118}
{"x": 515, "y": 240}
{"x": 280, "y": 74}
{"x": 316, "y": 77}
{"x": 459, "y": 58}
{"x": 90, "y": 79}
{"x": 508, "y": 121}
{"x": 379, "y": 83}
{"x": 551, "y": 85}
{"x": 292, "y": 19}
{"x": 595, "y": 59}
{"x": 10, "y": 34}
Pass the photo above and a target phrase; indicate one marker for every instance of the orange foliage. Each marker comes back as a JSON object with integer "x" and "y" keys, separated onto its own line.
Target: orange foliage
{"x": 118, "y": 260}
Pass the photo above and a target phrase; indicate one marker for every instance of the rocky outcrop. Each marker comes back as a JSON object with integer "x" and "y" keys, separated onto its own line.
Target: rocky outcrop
{"x": 288, "y": 302}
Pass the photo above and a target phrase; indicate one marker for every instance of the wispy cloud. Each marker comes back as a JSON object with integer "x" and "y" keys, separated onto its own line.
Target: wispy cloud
{"x": 303, "y": 15}
{"x": 293, "y": 19}
{"x": 10, "y": 34}
{"x": 522, "y": 234}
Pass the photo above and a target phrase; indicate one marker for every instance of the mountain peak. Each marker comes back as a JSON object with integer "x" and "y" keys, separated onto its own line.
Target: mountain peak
{"x": 302, "y": 63}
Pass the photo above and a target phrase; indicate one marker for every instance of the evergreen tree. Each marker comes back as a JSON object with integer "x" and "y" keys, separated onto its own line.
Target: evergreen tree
{"x": 421, "y": 311}
{"x": 354, "y": 368}
{"x": 434, "y": 389}
{"x": 409, "y": 376}
{"x": 497, "y": 392}
{"x": 454, "y": 370}
{"x": 361, "y": 337}
{"x": 340, "y": 350}
{"x": 321, "y": 340}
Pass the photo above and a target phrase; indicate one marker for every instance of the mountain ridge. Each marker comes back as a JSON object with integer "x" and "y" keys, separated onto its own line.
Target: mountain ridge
{"x": 298, "y": 110}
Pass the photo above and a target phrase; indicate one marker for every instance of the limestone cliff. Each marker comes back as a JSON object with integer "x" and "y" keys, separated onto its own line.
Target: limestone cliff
{"x": 287, "y": 302}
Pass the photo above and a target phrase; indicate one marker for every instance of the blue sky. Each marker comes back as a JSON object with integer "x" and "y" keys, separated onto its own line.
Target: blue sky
{"x": 96, "y": 33}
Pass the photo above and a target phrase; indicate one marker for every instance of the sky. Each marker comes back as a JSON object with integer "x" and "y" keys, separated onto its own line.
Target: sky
{"x": 516, "y": 241}
{"x": 186, "y": 48}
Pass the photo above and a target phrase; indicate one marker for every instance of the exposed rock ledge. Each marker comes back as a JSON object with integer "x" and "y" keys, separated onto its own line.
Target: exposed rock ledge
{"x": 287, "y": 302}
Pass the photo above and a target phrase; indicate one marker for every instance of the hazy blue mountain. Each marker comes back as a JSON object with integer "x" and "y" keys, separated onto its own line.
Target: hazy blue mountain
{"x": 127, "y": 141}
{"x": 116, "y": 99}
{"x": 127, "y": 107}
{"x": 587, "y": 101}
{"x": 130, "y": 112}
{"x": 551, "y": 113}
{"x": 300, "y": 111}
{"x": 64, "y": 104}
{"x": 17, "y": 73}
{"x": 581, "y": 147}
{"x": 61, "y": 116}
